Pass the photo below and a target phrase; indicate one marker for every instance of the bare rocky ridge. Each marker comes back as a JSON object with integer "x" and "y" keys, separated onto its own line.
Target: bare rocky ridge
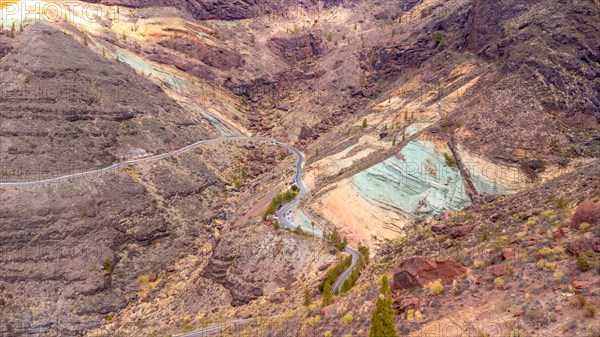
{"x": 220, "y": 10}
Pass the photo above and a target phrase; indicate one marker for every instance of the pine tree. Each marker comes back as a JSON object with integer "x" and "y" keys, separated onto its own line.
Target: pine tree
{"x": 327, "y": 296}
{"x": 307, "y": 298}
{"x": 85, "y": 40}
{"x": 364, "y": 123}
{"x": 385, "y": 286}
{"x": 382, "y": 320}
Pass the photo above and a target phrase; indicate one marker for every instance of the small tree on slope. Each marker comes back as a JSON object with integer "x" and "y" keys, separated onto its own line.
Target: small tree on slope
{"x": 327, "y": 296}
{"x": 382, "y": 321}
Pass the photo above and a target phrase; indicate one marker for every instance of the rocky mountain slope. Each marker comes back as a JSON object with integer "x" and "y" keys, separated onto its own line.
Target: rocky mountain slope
{"x": 415, "y": 116}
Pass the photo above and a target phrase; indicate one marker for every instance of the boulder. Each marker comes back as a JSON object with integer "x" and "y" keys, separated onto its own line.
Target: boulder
{"x": 460, "y": 231}
{"x": 507, "y": 253}
{"x": 403, "y": 303}
{"x": 587, "y": 211}
{"x": 499, "y": 270}
{"x": 419, "y": 271}
{"x": 437, "y": 229}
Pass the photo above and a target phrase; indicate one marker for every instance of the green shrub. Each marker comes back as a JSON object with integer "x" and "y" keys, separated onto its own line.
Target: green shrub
{"x": 107, "y": 265}
{"x": 587, "y": 261}
{"x": 307, "y": 298}
{"x": 590, "y": 311}
{"x": 450, "y": 161}
{"x": 581, "y": 300}
{"x": 499, "y": 282}
{"x": 347, "y": 319}
{"x": 436, "y": 287}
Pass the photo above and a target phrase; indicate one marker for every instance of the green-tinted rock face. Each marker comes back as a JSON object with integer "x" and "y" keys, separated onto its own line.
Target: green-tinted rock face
{"x": 419, "y": 184}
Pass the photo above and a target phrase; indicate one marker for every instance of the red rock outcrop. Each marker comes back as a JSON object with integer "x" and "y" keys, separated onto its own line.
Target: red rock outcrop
{"x": 418, "y": 271}
{"x": 587, "y": 211}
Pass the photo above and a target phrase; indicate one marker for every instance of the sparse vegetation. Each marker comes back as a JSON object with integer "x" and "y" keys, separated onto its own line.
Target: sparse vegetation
{"x": 438, "y": 38}
{"x": 336, "y": 239}
{"x": 436, "y": 287}
{"x": 450, "y": 161}
{"x": 107, "y": 265}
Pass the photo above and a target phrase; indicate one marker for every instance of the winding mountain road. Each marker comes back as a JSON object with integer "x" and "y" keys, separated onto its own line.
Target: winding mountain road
{"x": 284, "y": 213}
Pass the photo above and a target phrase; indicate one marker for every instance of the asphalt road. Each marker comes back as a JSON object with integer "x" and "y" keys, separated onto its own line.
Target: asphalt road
{"x": 212, "y": 329}
{"x": 75, "y": 175}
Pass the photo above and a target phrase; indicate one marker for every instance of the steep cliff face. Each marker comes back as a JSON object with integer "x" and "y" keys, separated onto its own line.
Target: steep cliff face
{"x": 556, "y": 40}
{"x": 546, "y": 61}
{"x": 223, "y": 10}
{"x": 298, "y": 48}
